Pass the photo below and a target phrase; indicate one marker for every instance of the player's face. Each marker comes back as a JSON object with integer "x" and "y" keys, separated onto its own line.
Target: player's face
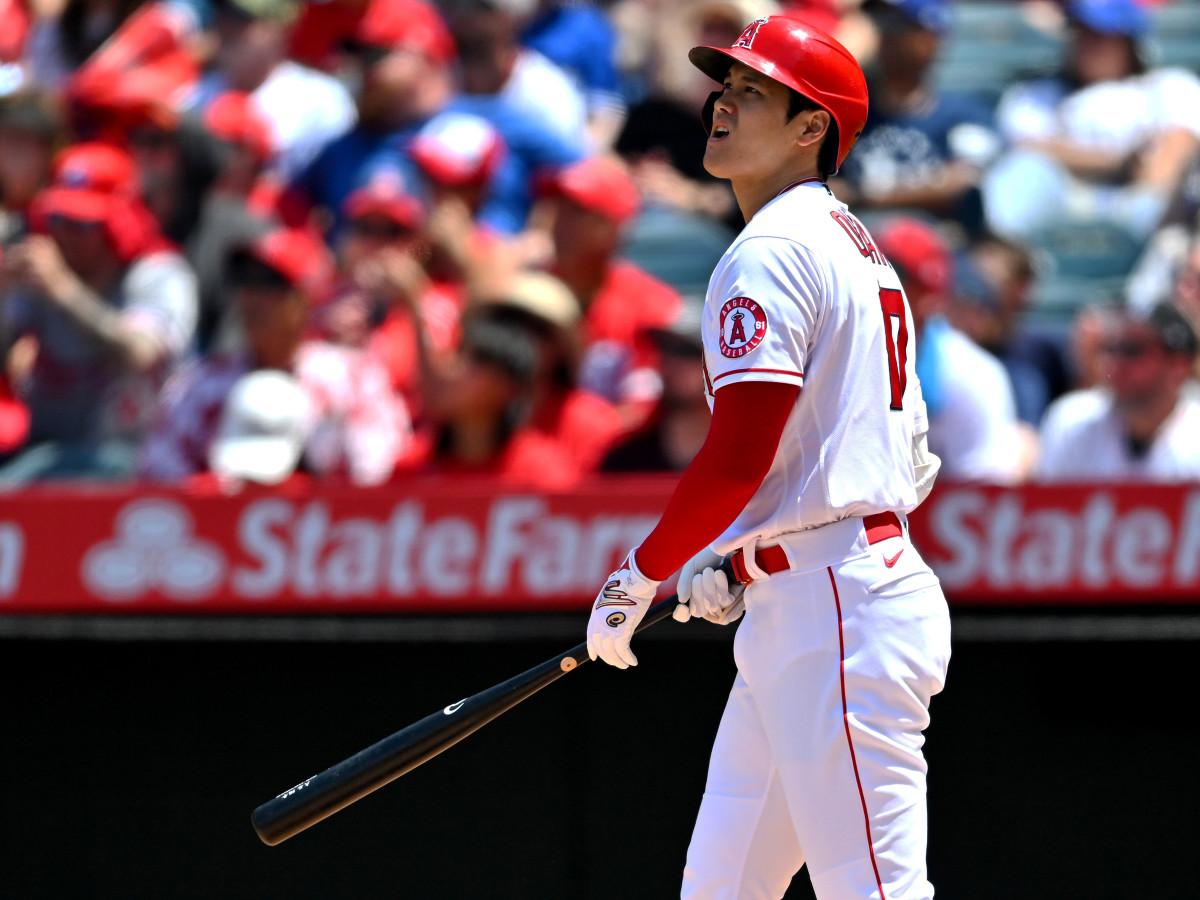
{"x": 751, "y": 136}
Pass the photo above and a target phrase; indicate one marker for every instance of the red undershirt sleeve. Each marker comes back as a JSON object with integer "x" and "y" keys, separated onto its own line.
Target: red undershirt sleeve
{"x": 747, "y": 422}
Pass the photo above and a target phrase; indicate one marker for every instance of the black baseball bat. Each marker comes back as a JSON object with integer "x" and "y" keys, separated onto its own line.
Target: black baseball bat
{"x": 326, "y": 793}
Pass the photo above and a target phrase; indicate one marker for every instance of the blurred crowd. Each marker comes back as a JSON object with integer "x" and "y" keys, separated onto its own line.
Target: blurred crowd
{"x": 275, "y": 241}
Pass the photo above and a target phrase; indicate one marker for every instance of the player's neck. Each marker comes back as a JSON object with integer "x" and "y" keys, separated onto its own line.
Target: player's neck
{"x": 754, "y": 193}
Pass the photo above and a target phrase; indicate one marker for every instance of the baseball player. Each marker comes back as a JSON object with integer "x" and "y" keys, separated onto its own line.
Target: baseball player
{"x": 815, "y": 454}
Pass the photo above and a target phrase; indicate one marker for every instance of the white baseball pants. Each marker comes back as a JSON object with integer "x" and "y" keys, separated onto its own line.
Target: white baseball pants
{"x": 818, "y": 755}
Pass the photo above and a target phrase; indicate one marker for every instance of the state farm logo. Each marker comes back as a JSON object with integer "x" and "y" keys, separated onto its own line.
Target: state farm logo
{"x": 154, "y": 549}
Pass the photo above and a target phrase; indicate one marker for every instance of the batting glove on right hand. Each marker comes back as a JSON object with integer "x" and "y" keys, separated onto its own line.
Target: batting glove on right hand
{"x": 704, "y": 591}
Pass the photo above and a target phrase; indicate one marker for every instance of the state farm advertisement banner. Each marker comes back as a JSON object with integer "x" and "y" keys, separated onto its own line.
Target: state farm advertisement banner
{"x": 468, "y": 546}
{"x": 429, "y": 547}
{"x": 1063, "y": 545}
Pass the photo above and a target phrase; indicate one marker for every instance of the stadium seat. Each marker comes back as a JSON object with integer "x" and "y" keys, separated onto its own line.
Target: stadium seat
{"x": 680, "y": 249}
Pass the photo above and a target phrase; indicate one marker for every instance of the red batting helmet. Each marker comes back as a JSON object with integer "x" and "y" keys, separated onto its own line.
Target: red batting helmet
{"x": 805, "y": 59}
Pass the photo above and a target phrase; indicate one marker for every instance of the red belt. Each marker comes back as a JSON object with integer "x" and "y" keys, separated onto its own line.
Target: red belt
{"x": 772, "y": 559}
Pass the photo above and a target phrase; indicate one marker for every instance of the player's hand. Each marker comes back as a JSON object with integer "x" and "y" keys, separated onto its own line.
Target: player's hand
{"x": 615, "y": 616}
{"x": 703, "y": 590}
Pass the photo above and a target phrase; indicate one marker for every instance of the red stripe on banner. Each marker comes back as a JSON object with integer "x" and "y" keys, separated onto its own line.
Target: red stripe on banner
{"x": 849, "y": 741}
{"x": 799, "y": 375}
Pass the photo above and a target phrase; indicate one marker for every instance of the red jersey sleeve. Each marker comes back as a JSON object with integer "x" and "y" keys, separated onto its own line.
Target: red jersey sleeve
{"x": 748, "y": 420}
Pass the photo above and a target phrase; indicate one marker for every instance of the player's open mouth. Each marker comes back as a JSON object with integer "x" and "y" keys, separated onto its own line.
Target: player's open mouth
{"x": 718, "y": 132}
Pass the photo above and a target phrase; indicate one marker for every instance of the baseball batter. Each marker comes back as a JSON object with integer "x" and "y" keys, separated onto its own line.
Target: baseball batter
{"x": 815, "y": 454}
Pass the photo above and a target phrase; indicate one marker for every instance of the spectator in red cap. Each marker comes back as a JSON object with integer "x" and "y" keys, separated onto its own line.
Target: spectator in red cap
{"x": 112, "y": 307}
{"x": 461, "y": 157}
{"x": 306, "y": 108}
{"x": 131, "y": 92}
{"x": 357, "y": 427}
{"x": 404, "y": 57}
{"x": 142, "y": 74}
{"x": 593, "y": 202}
{"x": 387, "y": 300}
{"x": 973, "y": 424}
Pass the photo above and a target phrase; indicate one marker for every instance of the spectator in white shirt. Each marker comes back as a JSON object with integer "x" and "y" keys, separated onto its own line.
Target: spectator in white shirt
{"x": 1143, "y": 424}
{"x": 355, "y": 428}
{"x": 306, "y": 108}
{"x": 1110, "y": 138}
{"x": 110, "y": 307}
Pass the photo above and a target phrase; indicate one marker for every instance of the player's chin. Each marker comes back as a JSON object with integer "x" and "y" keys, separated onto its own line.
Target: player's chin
{"x": 716, "y": 160}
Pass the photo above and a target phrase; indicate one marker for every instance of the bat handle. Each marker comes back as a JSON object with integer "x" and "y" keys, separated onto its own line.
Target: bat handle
{"x": 663, "y": 609}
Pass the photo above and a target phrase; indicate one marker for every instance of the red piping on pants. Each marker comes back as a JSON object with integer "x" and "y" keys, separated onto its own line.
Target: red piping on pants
{"x": 849, "y": 742}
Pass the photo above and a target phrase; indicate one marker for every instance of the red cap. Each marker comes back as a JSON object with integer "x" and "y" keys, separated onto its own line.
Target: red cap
{"x": 141, "y": 74}
{"x": 14, "y": 418}
{"x": 233, "y": 117}
{"x": 457, "y": 149}
{"x": 386, "y": 194}
{"x": 88, "y": 181}
{"x": 412, "y": 24}
{"x": 919, "y": 250}
{"x": 300, "y": 256}
{"x": 599, "y": 184}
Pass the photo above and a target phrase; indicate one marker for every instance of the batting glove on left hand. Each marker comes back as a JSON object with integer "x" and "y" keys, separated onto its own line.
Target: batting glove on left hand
{"x": 615, "y": 616}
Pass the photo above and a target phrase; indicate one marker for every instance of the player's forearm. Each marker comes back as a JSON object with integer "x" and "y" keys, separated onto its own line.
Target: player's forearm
{"x": 722, "y": 478}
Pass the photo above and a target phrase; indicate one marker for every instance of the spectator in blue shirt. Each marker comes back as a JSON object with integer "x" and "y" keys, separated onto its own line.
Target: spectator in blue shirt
{"x": 581, "y": 39}
{"x": 409, "y": 56}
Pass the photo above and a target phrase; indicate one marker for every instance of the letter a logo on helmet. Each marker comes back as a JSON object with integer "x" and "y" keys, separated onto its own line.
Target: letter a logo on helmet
{"x": 746, "y": 38}
{"x": 803, "y": 58}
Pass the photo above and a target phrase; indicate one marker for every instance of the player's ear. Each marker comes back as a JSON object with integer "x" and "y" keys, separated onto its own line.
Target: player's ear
{"x": 812, "y": 126}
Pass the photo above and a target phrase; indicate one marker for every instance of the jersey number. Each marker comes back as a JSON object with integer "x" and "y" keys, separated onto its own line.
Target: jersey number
{"x": 892, "y": 302}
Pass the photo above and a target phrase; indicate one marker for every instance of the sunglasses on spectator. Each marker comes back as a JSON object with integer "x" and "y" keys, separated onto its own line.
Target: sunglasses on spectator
{"x": 59, "y": 222}
{"x": 1128, "y": 349}
{"x": 383, "y": 231}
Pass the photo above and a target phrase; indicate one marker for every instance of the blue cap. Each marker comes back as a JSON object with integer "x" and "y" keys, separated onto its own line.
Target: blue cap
{"x": 1111, "y": 16}
{"x": 932, "y": 15}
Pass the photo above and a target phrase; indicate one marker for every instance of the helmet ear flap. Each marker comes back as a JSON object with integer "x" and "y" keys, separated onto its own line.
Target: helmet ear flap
{"x": 706, "y": 114}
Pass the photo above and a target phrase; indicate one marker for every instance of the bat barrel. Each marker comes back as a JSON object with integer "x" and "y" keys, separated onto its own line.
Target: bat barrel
{"x": 322, "y": 795}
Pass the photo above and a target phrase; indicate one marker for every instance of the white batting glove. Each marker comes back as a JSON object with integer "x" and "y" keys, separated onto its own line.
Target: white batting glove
{"x": 618, "y": 610}
{"x": 704, "y": 591}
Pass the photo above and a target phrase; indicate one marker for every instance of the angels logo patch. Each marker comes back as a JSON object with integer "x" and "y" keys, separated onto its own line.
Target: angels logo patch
{"x": 743, "y": 326}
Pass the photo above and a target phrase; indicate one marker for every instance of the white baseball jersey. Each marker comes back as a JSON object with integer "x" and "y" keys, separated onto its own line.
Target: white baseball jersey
{"x": 803, "y": 296}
